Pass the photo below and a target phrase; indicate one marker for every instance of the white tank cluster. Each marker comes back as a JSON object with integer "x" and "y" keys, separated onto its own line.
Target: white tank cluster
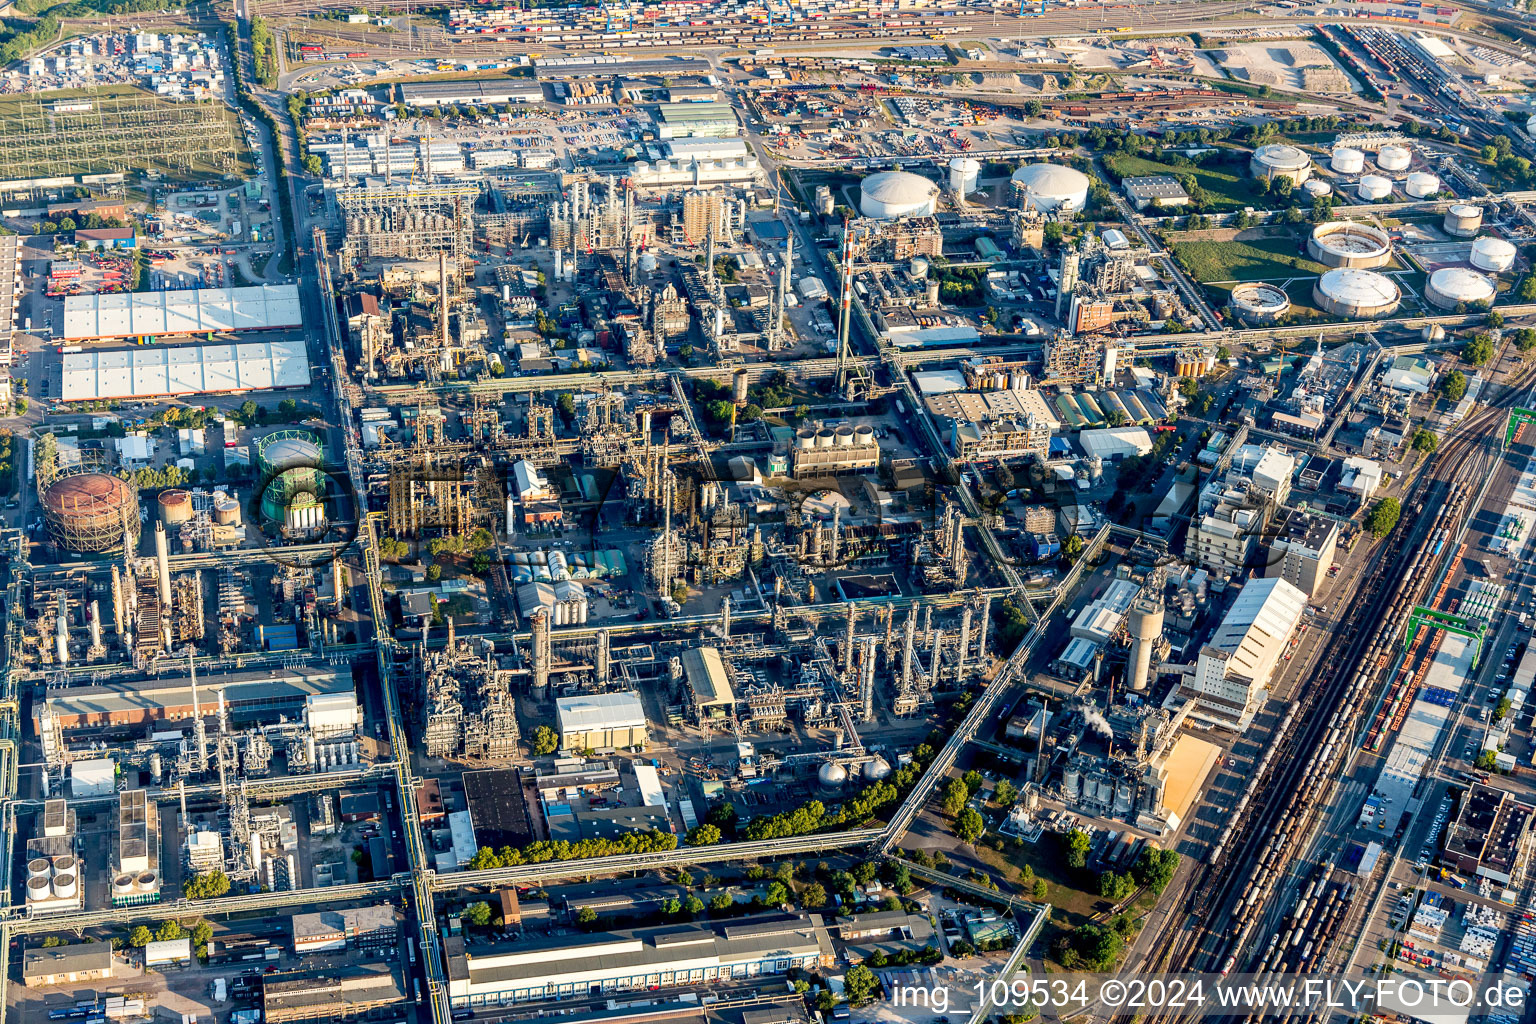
{"x": 1343, "y": 243}
{"x": 1449, "y": 287}
{"x": 1347, "y": 160}
{"x": 1374, "y": 186}
{"x": 1422, "y": 185}
{"x": 1356, "y": 294}
{"x": 1280, "y": 159}
{"x": 1494, "y": 255}
{"x": 1258, "y": 303}
{"x": 1394, "y": 158}
{"x": 1463, "y": 220}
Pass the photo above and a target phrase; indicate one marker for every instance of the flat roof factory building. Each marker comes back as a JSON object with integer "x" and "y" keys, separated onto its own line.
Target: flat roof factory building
{"x": 598, "y": 720}
{"x": 187, "y": 311}
{"x": 182, "y": 370}
{"x": 641, "y": 959}
{"x": 478, "y": 92}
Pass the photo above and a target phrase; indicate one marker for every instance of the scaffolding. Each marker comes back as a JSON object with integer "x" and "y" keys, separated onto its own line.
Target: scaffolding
{"x": 408, "y": 220}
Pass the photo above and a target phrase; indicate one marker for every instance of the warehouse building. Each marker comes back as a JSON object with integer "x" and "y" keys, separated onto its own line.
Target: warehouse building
{"x": 1115, "y": 443}
{"x": 1235, "y": 666}
{"x": 186, "y": 311}
{"x": 642, "y": 959}
{"x": 1491, "y": 836}
{"x": 64, "y": 965}
{"x": 364, "y": 928}
{"x": 478, "y": 93}
{"x": 343, "y": 993}
{"x": 696, "y": 120}
{"x": 497, "y": 810}
{"x": 182, "y": 370}
{"x": 709, "y": 685}
{"x": 1162, "y": 190}
{"x": 596, "y": 721}
{"x": 994, "y": 424}
{"x": 249, "y": 697}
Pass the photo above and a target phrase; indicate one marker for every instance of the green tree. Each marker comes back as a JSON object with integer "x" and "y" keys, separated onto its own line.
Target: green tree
{"x": 587, "y": 915}
{"x": 248, "y": 411}
{"x": 545, "y": 741}
{"x": 1077, "y": 844}
{"x": 1071, "y": 549}
{"x": 694, "y": 906}
{"x": 169, "y": 931}
{"x": 860, "y": 984}
{"x": 704, "y": 835}
{"x": 477, "y": 915}
{"x": 1425, "y": 440}
{"x": 969, "y": 826}
{"x": 813, "y": 896}
{"x": 1525, "y": 337}
{"x": 1383, "y": 516}
{"x": 1040, "y": 889}
{"x": 955, "y": 796}
{"x": 1005, "y": 792}
{"x": 140, "y": 937}
{"x": 1155, "y": 867}
{"x": 208, "y": 885}
{"x": 1454, "y": 384}
{"x": 1115, "y": 887}
{"x": 721, "y": 901}
{"x": 566, "y": 404}
{"x": 1478, "y": 350}
{"x": 1494, "y": 319}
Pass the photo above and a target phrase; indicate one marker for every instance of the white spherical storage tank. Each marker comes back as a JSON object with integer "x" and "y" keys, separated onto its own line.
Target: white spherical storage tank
{"x": 1449, "y": 287}
{"x": 1422, "y": 184}
{"x": 1374, "y": 186}
{"x": 1279, "y": 158}
{"x": 963, "y": 171}
{"x": 892, "y": 194}
{"x": 1049, "y": 187}
{"x": 1394, "y": 158}
{"x": 1359, "y": 294}
{"x": 1347, "y": 161}
{"x": 1493, "y": 254}
{"x": 1317, "y": 187}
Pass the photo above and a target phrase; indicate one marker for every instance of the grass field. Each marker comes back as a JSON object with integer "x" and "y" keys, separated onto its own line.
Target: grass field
{"x": 1228, "y": 184}
{"x": 1258, "y": 259}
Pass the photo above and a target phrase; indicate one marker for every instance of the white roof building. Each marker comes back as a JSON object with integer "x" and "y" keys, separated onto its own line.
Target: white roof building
{"x": 1116, "y": 442}
{"x": 1360, "y": 477}
{"x": 598, "y": 712}
{"x": 1100, "y": 618}
{"x": 530, "y": 483}
{"x": 183, "y": 370}
{"x": 185, "y": 311}
{"x": 1235, "y": 666}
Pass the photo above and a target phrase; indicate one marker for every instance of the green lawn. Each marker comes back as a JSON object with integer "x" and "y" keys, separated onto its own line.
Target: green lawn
{"x": 1228, "y": 183}
{"x": 1258, "y": 259}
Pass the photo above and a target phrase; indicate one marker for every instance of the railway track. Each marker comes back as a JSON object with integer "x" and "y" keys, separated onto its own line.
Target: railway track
{"x": 1259, "y": 848}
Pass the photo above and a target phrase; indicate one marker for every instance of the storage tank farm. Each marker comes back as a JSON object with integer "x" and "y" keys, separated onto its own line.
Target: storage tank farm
{"x": 289, "y": 465}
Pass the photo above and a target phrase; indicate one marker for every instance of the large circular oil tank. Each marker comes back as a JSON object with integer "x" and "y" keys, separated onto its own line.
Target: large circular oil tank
{"x": 1346, "y": 160}
{"x": 1394, "y": 158}
{"x": 891, "y": 194}
{"x": 1343, "y": 243}
{"x": 288, "y": 463}
{"x": 1463, "y": 220}
{"x": 1259, "y": 303}
{"x": 175, "y": 507}
{"x": 1422, "y": 185}
{"x": 1495, "y": 255}
{"x": 1450, "y": 287}
{"x": 1281, "y": 159}
{"x": 87, "y": 513}
{"x": 1317, "y": 187}
{"x": 1357, "y": 294}
{"x": 226, "y": 512}
{"x": 1373, "y": 187}
{"x": 1049, "y": 187}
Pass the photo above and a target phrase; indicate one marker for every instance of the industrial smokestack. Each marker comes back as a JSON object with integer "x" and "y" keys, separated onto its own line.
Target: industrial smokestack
{"x": 163, "y": 566}
{"x": 442, "y": 285}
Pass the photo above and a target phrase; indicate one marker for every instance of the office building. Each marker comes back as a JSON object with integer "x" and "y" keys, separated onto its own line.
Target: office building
{"x": 1302, "y": 550}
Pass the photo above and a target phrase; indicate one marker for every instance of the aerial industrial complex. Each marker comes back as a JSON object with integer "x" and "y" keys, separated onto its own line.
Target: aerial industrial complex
{"x": 740, "y": 512}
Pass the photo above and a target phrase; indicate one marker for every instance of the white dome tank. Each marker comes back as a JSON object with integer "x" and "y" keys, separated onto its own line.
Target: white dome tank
{"x": 877, "y": 769}
{"x": 1283, "y": 159}
{"x": 1449, "y": 287}
{"x": 1347, "y": 160}
{"x": 1374, "y": 186}
{"x": 1049, "y": 187}
{"x": 1317, "y": 187}
{"x": 1360, "y": 294}
{"x": 832, "y": 775}
{"x": 1422, "y": 184}
{"x": 892, "y": 194}
{"x": 1492, "y": 254}
{"x": 1394, "y": 158}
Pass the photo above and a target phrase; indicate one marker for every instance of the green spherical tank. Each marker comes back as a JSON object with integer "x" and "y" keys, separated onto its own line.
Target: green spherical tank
{"x": 288, "y": 463}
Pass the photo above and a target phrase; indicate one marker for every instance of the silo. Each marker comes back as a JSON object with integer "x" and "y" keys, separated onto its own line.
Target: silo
{"x": 1145, "y": 625}
{"x": 963, "y": 171}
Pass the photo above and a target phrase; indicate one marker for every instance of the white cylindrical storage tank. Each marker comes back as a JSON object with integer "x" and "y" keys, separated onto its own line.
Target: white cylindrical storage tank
{"x": 864, "y": 434}
{"x": 963, "y": 171}
{"x": 1317, "y": 188}
{"x": 824, "y": 438}
{"x": 1374, "y": 186}
{"x": 1422, "y": 184}
{"x": 1280, "y": 159}
{"x": 1463, "y": 220}
{"x": 1394, "y": 158}
{"x": 1495, "y": 255}
{"x": 1359, "y": 294}
{"x": 843, "y": 437}
{"x": 892, "y": 194}
{"x": 581, "y": 612}
{"x": 1347, "y": 160}
{"x": 65, "y": 887}
{"x": 39, "y": 867}
{"x": 1256, "y": 302}
{"x": 38, "y": 889}
{"x": 122, "y": 885}
{"x": 805, "y": 437}
{"x": 1344, "y": 243}
{"x": 919, "y": 267}
{"x": 1049, "y": 187}
{"x": 1449, "y": 287}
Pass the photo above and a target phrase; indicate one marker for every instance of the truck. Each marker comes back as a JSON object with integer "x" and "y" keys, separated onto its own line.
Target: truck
{"x": 220, "y": 990}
